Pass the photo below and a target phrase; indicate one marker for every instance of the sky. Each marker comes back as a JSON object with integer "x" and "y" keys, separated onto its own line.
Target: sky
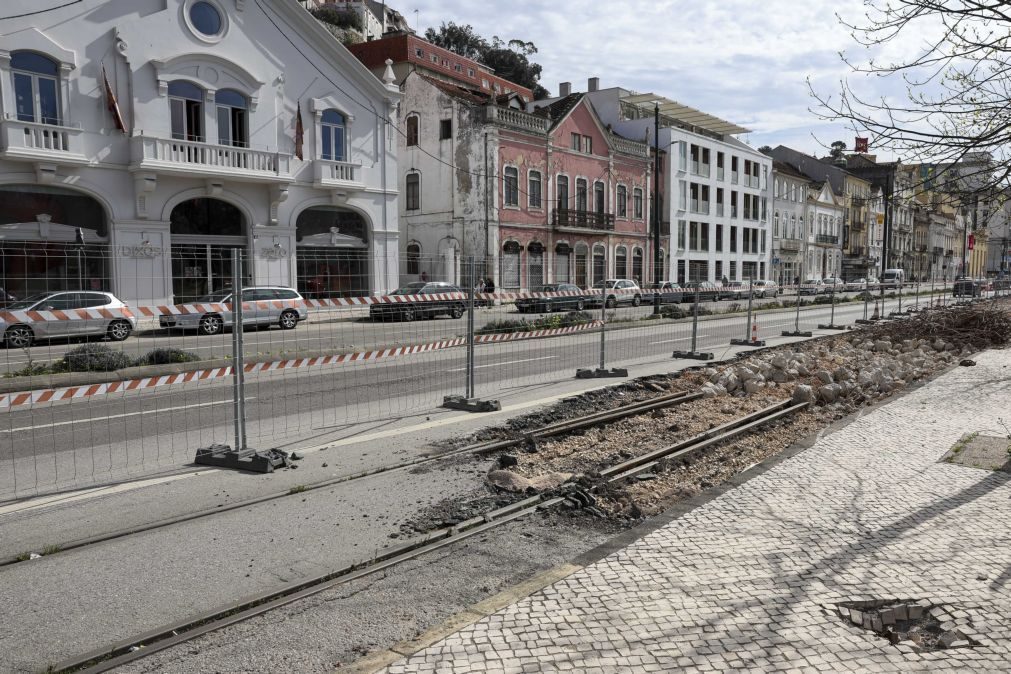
{"x": 747, "y": 61}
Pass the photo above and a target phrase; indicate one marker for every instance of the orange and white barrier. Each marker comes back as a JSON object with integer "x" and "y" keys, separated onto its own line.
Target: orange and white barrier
{"x": 52, "y": 395}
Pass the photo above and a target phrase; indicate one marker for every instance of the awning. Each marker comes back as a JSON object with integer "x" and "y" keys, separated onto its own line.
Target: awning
{"x": 683, "y": 113}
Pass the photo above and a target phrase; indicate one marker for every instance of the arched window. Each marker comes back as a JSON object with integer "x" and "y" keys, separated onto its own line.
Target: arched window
{"x": 186, "y": 103}
{"x": 598, "y": 197}
{"x": 637, "y": 265}
{"x": 511, "y": 265}
{"x": 562, "y": 185}
{"x": 581, "y": 265}
{"x": 332, "y": 133}
{"x": 412, "y": 195}
{"x": 233, "y": 125}
{"x": 621, "y": 202}
{"x": 36, "y": 87}
{"x": 581, "y": 195}
{"x": 535, "y": 264}
{"x": 775, "y": 223}
{"x": 413, "y": 259}
{"x": 621, "y": 262}
{"x": 599, "y": 263}
{"x": 562, "y": 253}
{"x": 412, "y": 130}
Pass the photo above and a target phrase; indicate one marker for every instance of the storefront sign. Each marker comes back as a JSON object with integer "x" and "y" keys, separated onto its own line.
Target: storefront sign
{"x": 142, "y": 251}
{"x": 274, "y": 253}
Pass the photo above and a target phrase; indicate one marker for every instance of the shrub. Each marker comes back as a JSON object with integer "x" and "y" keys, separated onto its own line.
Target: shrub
{"x": 734, "y": 307}
{"x": 94, "y": 358}
{"x": 545, "y": 323}
{"x": 165, "y": 356}
{"x": 336, "y": 17}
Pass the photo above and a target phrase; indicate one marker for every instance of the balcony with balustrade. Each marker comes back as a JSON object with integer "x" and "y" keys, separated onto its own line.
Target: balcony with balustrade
{"x": 193, "y": 158}
{"x": 789, "y": 245}
{"x": 827, "y": 239}
{"x": 516, "y": 119}
{"x": 565, "y": 218}
{"x": 28, "y": 141}
{"x": 331, "y": 174}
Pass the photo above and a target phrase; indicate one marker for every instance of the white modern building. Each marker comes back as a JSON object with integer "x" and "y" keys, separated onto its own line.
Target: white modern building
{"x": 717, "y": 188}
{"x": 240, "y": 124}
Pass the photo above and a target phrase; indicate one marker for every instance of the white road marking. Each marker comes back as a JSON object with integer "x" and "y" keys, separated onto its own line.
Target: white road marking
{"x": 508, "y": 362}
{"x": 117, "y": 416}
{"x": 671, "y": 341}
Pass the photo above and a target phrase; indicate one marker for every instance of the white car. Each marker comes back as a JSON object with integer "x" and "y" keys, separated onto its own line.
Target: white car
{"x": 283, "y": 307}
{"x": 765, "y": 289}
{"x": 20, "y": 330}
{"x": 811, "y": 286}
{"x": 832, "y": 285}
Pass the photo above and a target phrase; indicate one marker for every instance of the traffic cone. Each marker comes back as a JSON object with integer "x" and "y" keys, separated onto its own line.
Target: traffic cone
{"x": 875, "y": 316}
{"x": 754, "y": 331}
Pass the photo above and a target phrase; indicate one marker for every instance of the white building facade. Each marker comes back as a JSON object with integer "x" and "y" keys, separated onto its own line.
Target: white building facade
{"x": 824, "y": 233}
{"x": 716, "y": 187}
{"x": 789, "y": 198}
{"x": 206, "y": 156}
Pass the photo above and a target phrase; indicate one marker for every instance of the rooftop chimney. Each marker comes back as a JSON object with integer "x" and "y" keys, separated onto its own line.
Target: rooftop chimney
{"x": 565, "y": 88}
{"x": 593, "y": 84}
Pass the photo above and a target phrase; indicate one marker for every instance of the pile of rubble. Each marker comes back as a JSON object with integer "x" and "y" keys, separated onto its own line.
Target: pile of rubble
{"x": 845, "y": 372}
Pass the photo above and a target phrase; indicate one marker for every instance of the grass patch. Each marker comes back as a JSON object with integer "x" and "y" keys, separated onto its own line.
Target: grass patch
{"x": 566, "y": 320}
{"x": 50, "y": 550}
{"x": 102, "y": 358}
{"x": 297, "y": 489}
{"x": 23, "y": 557}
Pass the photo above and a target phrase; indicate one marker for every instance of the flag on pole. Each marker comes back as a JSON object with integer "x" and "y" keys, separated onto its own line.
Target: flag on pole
{"x": 112, "y": 103}
{"x": 299, "y": 131}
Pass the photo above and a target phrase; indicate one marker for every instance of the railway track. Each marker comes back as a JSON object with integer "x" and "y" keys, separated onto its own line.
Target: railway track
{"x": 568, "y": 426}
{"x": 173, "y": 634}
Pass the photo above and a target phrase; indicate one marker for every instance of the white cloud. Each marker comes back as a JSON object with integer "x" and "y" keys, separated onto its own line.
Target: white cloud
{"x": 746, "y": 61}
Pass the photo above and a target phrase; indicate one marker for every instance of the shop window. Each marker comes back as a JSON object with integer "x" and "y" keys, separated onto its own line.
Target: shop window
{"x": 510, "y": 265}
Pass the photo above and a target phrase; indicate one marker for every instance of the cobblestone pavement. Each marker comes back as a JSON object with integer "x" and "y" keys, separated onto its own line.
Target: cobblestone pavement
{"x": 749, "y": 581}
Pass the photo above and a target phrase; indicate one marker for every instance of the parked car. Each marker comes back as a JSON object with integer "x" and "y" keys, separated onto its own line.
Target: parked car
{"x": 559, "y": 303}
{"x": 893, "y": 278}
{"x": 619, "y": 291}
{"x": 969, "y": 287}
{"x": 734, "y": 290}
{"x": 859, "y": 284}
{"x": 670, "y": 293}
{"x": 832, "y": 284}
{"x": 6, "y": 298}
{"x": 411, "y": 310}
{"x": 284, "y": 308}
{"x": 707, "y": 291}
{"x": 811, "y": 286}
{"x": 20, "y": 334}
{"x": 766, "y": 289}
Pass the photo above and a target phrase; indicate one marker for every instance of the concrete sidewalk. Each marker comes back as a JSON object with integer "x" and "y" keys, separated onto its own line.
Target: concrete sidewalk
{"x": 752, "y": 579}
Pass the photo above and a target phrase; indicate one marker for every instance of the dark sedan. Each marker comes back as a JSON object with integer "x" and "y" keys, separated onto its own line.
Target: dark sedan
{"x": 670, "y": 293}
{"x": 707, "y": 291}
{"x": 409, "y": 310}
{"x": 560, "y": 303}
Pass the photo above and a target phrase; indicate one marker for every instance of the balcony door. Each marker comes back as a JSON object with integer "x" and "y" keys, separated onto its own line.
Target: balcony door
{"x": 186, "y": 105}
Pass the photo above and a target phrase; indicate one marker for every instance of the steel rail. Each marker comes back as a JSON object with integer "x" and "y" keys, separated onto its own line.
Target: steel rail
{"x": 149, "y": 643}
{"x": 586, "y": 421}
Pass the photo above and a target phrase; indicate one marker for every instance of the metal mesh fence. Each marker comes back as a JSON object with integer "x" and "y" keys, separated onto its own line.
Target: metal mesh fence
{"x": 112, "y": 374}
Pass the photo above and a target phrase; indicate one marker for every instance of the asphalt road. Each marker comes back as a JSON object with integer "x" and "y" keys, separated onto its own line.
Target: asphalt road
{"x": 327, "y": 331}
{"x": 137, "y": 434}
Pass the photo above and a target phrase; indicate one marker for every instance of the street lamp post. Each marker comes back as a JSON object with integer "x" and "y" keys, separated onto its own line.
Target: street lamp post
{"x": 657, "y": 259}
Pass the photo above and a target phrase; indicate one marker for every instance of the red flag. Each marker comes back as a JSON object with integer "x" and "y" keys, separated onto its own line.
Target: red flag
{"x": 299, "y": 131}
{"x": 112, "y": 103}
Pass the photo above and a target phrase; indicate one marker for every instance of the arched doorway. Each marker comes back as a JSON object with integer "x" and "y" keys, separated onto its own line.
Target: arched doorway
{"x": 332, "y": 253}
{"x": 40, "y": 248}
{"x": 205, "y": 231}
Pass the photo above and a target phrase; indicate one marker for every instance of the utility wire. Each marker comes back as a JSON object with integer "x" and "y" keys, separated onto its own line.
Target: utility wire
{"x": 40, "y": 11}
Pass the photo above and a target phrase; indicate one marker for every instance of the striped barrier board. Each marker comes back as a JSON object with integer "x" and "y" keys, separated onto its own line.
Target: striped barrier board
{"x": 53, "y": 395}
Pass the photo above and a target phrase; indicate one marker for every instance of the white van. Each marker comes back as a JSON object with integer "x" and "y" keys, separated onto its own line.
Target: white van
{"x": 893, "y": 278}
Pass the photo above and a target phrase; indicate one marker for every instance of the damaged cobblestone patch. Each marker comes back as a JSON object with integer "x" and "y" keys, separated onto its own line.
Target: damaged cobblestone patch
{"x": 912, "y": 626}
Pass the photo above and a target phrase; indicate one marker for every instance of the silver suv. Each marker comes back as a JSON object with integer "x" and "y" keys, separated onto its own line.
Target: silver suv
{"x": 619, "y": 291}
{"x": 20, "y": 330}
{"x": 284, "y": 307}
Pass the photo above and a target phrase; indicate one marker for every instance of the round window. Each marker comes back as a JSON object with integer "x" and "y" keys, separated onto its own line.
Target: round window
{"x": 205, "y": 18}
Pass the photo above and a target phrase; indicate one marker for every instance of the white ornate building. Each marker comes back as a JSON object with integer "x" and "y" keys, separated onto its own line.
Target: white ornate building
{"x": 201, "y": 156}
